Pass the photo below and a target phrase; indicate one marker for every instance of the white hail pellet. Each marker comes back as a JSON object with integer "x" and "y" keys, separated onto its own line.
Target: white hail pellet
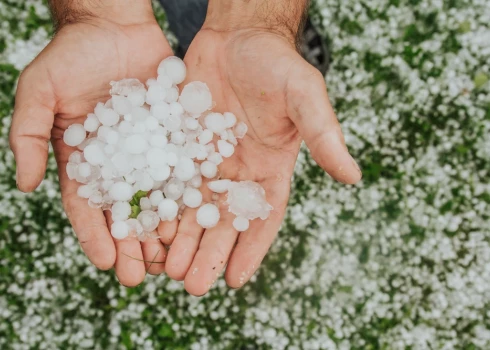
{"x": 178, "y": 138}
{"x": 72, "y": 170}
{"x": 121, "y": 105}
{"x": 196, "y": 181}
{"x": 120, "y": 211}
{"x": 192, "y": 197}
{"x": 172, "y": 123}
{"x": 184, "y": 169}
{"x": 137, "y": 98}
{"x": 156, "y": 197}
{"x": 219, "y": 186}
{"x": 93, "y": 154}
{"x": 241, "y": 224}
{"x": 145, "y": 203}
{"x": 209, "y": 169}
{"x": 84, "y": 169}
{"x": 191, "y": 123}
{"x": 119, "y": 230}
{"x": 174, "y": 189}
{"x": 156, "y": 157}
{"x": 85, "y": 191}
{"x": 230, "y": 119}
{"x": 176, "y": 109}
{"x": 76, "y": 157}
{"x": 139, "y": 114}
{"x": 216, "y": 158}
{"x": 138, "y": 161}
{"x": 215, "y": 122}
{"x": 149, "y": 220}
{"x": 92, "y": 123}
{"x": 205, "y": 137}
{"x": 172, "y": 94}
{"x": 160, "y": 110}
{"x": 135, "y": 228}
{"x": 135, "y": 144}
{"x": 151, "y": 123}
{"x": 108, "y": 117}
{"x": 174, "y": 68}
{"x": 165, "y": 81}
{"x": 121, "y": 191}
{"x": 196, "y": 98}
{"x": 168, "y": 209}
{"x": 226, "y": 149}
{"x": 158, "y": 141}
{"x": 208, "y": 216}
{"x": 74, "y": 135}
{"x": 240, "y": 130}
{"x": 155, "y": 94}
{"x": 159, "y": 174}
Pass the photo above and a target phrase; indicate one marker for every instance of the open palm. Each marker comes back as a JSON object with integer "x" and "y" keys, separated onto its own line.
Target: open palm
{"x": 59, "y": 88}
{"x": 259, "y": 76}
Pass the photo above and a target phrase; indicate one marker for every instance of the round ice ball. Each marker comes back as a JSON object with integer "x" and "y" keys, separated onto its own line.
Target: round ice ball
{"x": 226, "y": 149}
{"x": 92, "y": 123}
{"x": 168, "y": 209}
{"x": 230, "y": 119}
{"x": 209, "y": 169}
{"x": 196, "y": 98}
{"x": 184, "y": 170}
{"x": 93, "y": 154}
{"x": 120, "y": 211}
{"x": 149, "y": 220}
{"x": 121, "y": 191}
{"x": 219, "y": 186}
{"x": 215, "y": 122}
{"x": 119, "y": 230}
{"x": 74, "y": 135}
{"x": 174, "y": 68}
{"x": 208, "y": 215}
{"x": 192, "y": 197}
{"x": 241, "y": 224}
{"x": 135, "y": 144}
{"x": 156, "y": 197}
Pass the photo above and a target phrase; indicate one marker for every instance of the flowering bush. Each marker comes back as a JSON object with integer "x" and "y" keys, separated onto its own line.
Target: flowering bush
{"x": 401, "y": 261}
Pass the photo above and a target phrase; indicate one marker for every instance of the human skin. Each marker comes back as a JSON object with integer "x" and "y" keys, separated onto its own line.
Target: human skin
{"x": 95, "y": 43}
{"x": 246, "y": 53}
{"x": 252, "y": 67}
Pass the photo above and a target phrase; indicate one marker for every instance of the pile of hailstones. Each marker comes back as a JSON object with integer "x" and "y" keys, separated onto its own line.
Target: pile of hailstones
{"x": 147, "y": 151}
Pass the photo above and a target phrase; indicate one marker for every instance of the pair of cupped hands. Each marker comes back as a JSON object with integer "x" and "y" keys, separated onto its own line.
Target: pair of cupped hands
{"x": 255, "y": 73}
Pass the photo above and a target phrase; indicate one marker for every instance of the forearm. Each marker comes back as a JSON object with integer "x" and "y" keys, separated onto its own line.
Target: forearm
{"x": 125, "y": 12}
{"x": 283, "y": 16}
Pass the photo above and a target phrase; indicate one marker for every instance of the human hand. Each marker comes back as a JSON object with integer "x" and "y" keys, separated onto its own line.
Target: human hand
{"x": 60, "y": 87}
{"x": 256, "y": 73}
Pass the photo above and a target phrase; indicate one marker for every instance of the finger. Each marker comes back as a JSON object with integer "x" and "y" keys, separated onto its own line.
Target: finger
{"x": 154, "y": 254}
{"x": 310, "y": 110}
{"x": 129, "y": 265}
{"x": 253, "y": 244}
{"x": 31, "y": 127}
{"x": 167, "y": 231}
{"x": 214, "y": 250}
{"x": 184, "y": 246}
{"x": 88, "y": 223}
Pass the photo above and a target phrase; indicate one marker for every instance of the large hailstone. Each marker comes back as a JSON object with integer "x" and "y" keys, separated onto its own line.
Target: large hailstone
{"x": 246, "y": 199}
{"x": 196, "y": 98}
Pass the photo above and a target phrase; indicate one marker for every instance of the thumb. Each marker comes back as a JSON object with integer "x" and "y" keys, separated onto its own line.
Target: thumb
{"x": 31, "y": 127}
{"x": 311, "y": 112}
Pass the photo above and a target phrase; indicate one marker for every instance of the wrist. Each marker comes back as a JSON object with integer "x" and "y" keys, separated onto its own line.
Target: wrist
{"x": 121, "y": 12}
{"x": 284, "y": 17}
